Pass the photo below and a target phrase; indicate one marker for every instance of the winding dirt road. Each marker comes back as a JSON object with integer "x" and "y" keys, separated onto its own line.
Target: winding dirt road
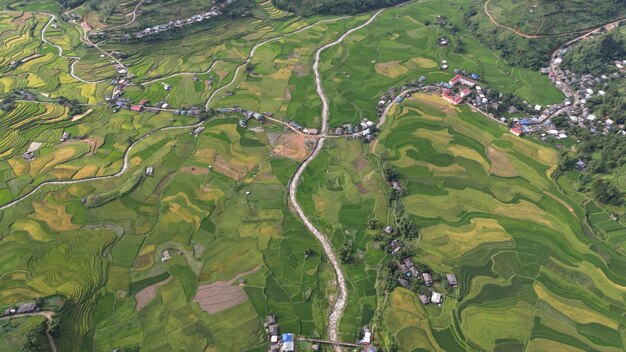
{"x": 74, "y": 59}
{"x": 340, "y": 304}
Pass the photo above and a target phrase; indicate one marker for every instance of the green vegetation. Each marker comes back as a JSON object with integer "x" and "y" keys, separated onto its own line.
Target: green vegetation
{"x": 545, "y": 24}
{"x": 490, "y": 212}
{"x": 596, "y": 56}
{"x": 333, "y": 7}
{"x": 24, "y": 334}
{"x": 135, "y": 257}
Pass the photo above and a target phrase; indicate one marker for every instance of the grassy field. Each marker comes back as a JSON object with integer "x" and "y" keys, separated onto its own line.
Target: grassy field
{"x": 548, "y": 17}
{"x": 490, "y": 213}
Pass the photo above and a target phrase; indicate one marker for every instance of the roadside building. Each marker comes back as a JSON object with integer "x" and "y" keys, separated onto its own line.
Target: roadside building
{"x": 460, "y": 79}
{"x": 516, "y": 131}
{"x": 288, "y": 343}
{"x": 26, "y": 308}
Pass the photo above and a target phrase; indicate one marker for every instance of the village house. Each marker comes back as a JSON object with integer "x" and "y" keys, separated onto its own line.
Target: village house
{"x": 137, "y": 108}
{"x": 516, "y": 131}
{"x": 149, "y": 170}
{"x": 452, "y": 98}
{"x": 26, "y": 308}
{"x": 288, "y": 343}
{"x": 403, "y": 283}
{"x": 460, "y": 79}
{"x": 388, "y": 230}
{"x": 436, "y": 298}
{"x": 65, "y": 136}
{"x": 28, "y": 156}
{"x": 428, "y": 280}
{"x": 165, "y": 256}
{"x": 452, "y": 280}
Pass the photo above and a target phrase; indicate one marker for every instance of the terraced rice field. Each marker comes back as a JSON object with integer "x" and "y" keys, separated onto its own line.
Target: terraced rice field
{"x": 537, "y": 268}
{"x": 527, "y": 269}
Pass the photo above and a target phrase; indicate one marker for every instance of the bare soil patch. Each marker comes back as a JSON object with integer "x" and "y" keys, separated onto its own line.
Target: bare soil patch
{"x": 226, "y": 168}
{"x": 292, "y": 145}
{"x": 145, "y": 296}
{"x": 222, "y": 295}
{"x": 360, "y": 163}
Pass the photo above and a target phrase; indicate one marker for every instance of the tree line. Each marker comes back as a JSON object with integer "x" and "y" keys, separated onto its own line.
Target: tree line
{"x": 332, "y": 7}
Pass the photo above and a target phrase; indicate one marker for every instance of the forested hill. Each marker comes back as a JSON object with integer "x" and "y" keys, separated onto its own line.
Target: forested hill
{"x": 332, "y": 7}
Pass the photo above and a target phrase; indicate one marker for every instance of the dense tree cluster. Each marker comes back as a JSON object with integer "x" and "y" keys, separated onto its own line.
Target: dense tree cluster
{"x": 7, "y": 102}
{"x": 601, "y": 154}
{"x": 333, "y": 7}
{"x": 36, "y": 340}
{"x": 595, "y": 56}
{"x": 515, "y": 50}
{"x": 613, "y": 103}
{"x": 236, "y": 8}
{"x": 73, "y": 105}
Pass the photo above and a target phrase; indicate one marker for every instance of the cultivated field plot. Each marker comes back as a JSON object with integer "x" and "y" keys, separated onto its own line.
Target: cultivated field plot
{"x": 214, "y": 207}
{"x": 527, "y": 269}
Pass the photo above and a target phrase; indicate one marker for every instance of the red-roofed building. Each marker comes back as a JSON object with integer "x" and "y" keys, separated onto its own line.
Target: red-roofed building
{"x": 465, "y": 92}
{"x": 517, "y": 131}
{"x": 136, "y": 108}
{"x": 143, "y": 102}
{"x": 451, "y": 98}
{"x": 462, "y": 80}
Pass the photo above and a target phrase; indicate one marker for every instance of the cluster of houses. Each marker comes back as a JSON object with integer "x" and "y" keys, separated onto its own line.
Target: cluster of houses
{"x": 365, "y": 129}
{"x": 23, "y": 308}
{"x": 278, "y": 343}
{"x": 579, "y": 89}
{"x": 306, "y": 130}
{"x": 455, "y": 95}
{"x": 409, "y": 272}
{"x": 215, "y": 11}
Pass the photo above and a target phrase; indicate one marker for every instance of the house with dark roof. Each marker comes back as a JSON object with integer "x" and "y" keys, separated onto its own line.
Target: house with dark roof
{"x": 428, "y": 280}
{"x": 424, "y": 299}
{"x": 452, "y": 280}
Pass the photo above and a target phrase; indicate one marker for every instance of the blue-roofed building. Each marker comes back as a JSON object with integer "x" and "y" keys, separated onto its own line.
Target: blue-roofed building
{"x": 288, "y": 343}
{"x": 399, "y": 99}
{"x": 474, "y": 76}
